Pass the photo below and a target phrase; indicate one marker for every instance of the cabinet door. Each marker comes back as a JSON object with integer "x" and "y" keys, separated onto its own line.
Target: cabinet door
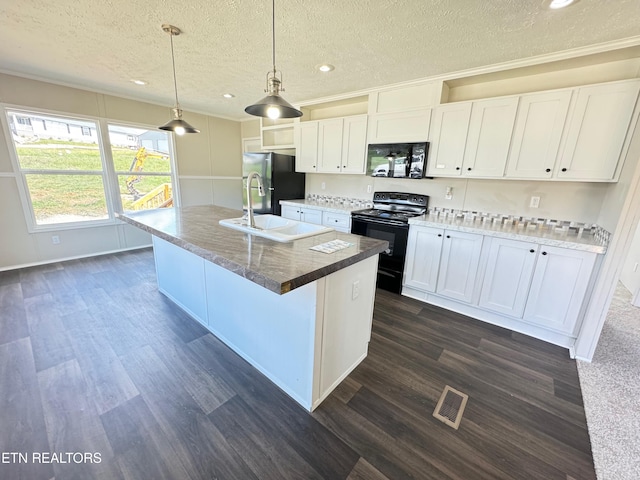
{"x": 448, "y": 138}
{"x": 597, "y": 130}
{"x": 459, "y": 265}
{"x": 330, "y": 145}
{"x": 489, "y": 137}
{"x": 290, "y": 212}
{"x": 400, "y": 127}
{"x": 306, "y": 146}
{"x": 558, "y": 288}
{"x": 309, "y": 215}
{"x": 354, "y": 144}
{"x": 507, "y": 278}
{"x": 536, "y": 137}
{"x": 423, "y": 258}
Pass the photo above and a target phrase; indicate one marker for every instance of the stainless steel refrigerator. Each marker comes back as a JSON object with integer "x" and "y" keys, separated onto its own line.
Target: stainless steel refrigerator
{"x": 281, "y": 181}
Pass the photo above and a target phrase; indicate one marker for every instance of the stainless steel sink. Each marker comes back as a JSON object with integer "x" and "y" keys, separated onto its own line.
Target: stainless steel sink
{"x": 276, "y": 228}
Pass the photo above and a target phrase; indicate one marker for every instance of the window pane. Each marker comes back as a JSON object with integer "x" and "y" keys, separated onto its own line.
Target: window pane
{"x": 137, "y": 150}
{"x": 66, "y": 198}
{"x": 138, "y": 154}
{"x": 143, "y": 192}
{"x": 54, "y": 143}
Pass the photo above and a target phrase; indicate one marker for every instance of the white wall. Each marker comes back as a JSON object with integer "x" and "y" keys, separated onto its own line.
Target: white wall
{"x": 209, "y": 166}
{"x": 575, "y": 201}
{"x": 630, "y": 276}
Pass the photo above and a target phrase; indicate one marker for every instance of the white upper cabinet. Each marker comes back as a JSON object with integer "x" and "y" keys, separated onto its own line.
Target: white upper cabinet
{"x": 411, "y": 126}
{"x": 402, "y": 114}
{"x": 306, "y": 138}
{"x": 405, "y": 99}
{"x": 354, "y": 144}
{"x": 536, "y": 137}
{"x": 597, "y": 130}
{"x": 489, "y": 137}
{"x": 330, "y": 145}
{"x": 448, "y": 138}
{"x": 335, "y": 145}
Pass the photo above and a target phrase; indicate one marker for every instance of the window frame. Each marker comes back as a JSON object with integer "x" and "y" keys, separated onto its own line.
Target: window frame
{"x": 108, "y": 173}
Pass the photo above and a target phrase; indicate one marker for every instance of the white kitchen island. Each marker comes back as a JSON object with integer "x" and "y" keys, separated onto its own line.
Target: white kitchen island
{"x": 301, "y": 317}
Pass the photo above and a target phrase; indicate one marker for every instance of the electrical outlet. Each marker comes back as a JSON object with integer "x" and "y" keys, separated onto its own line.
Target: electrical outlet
{"x": 535, "y": 202}
{"x": 55, "y": 239}
{"x": 448, "y": 194}
{"x": 355, "y": 290}
{"x": 368, "y": 188}
{"x": 323, "y": 186}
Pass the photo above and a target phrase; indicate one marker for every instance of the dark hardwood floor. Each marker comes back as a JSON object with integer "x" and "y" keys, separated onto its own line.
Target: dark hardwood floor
{"x": 94, "y": 360}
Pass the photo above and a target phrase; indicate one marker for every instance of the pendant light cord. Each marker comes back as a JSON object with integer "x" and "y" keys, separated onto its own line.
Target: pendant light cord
{"x": 173, "y": 63}
{"x": 273, "y": 33}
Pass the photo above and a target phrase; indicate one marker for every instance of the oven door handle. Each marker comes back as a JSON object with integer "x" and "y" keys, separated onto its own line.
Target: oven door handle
{"x": 393, "y": 223}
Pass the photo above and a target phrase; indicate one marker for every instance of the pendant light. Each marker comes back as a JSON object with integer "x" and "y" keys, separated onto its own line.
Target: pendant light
{"x": 273, "y": 105}
{"x": 176, "y": 124}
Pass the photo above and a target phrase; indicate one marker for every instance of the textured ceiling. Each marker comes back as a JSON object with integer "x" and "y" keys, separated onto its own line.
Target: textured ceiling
{"x": 226, "y": 45}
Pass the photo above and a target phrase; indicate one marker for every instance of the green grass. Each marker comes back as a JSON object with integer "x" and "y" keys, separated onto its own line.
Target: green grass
{"x": 84, "y": 158}
{"x": 82, "y": 195}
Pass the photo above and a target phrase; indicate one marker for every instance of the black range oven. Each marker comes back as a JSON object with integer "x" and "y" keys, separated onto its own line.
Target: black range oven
{"x": 389, "y": 220}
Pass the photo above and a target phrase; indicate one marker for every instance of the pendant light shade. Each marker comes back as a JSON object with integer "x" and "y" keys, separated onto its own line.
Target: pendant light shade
{"x": 273, "y": 105}
{"x": 176, "y": 124}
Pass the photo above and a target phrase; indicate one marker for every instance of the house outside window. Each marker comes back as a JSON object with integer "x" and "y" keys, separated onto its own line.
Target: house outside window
{"x": 142, "y": 163}
{"x": 69, "y": 179}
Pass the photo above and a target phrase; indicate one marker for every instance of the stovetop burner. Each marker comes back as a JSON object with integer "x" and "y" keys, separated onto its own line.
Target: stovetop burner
{"x": 395, "y": 206}
{"x": 378, "y": 213}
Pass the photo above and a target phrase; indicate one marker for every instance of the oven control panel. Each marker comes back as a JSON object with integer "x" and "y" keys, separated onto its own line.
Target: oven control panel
{"x": 397, "y": 198}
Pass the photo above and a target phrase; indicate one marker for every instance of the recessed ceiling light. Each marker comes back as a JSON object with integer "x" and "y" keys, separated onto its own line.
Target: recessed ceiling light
{"x": 555, "y": 4}
{"x": 325, "y": 67}
{"x": 228, "y": 95}
{"x": 139, "y": 82}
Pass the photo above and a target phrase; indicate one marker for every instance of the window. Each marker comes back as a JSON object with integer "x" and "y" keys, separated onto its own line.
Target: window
{"x": 143, "y": 167}
{"x": 68, "y": 181}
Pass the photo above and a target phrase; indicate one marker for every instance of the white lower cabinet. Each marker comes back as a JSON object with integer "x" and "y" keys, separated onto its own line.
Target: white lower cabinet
{"x": 558, "y": 288}
{"x": 458, "y": 265}
{"x": 339, "y": 221}
{"x": 308, "y": 215}
{"x": 423, "y": 258}
{"x": 319, "y": 216}
{"x": 528, "y": 287}
{"x": 507, "y": 277}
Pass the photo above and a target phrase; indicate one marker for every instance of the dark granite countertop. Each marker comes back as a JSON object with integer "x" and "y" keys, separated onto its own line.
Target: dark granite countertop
{"x": 279, "y": 267}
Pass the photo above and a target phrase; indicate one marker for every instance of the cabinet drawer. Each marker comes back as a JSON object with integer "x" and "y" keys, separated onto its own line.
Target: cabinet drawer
{"x": 338, "y": 221}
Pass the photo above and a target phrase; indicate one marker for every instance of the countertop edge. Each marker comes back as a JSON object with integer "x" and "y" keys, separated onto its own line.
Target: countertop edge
{"x": 522, "y": 236}
{"x": 262, "y": 280}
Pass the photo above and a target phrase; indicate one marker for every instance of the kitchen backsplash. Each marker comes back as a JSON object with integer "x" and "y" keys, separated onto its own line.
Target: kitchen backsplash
{"x": 537, "y": 223}
{"x": 576, "y": 201}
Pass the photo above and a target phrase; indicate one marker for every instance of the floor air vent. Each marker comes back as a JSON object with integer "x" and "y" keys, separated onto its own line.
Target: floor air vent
{"x": 451, "y": 406}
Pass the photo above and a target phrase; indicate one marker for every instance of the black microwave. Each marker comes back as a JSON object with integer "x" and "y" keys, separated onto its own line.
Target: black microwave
{"x": 397, "y": 160}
